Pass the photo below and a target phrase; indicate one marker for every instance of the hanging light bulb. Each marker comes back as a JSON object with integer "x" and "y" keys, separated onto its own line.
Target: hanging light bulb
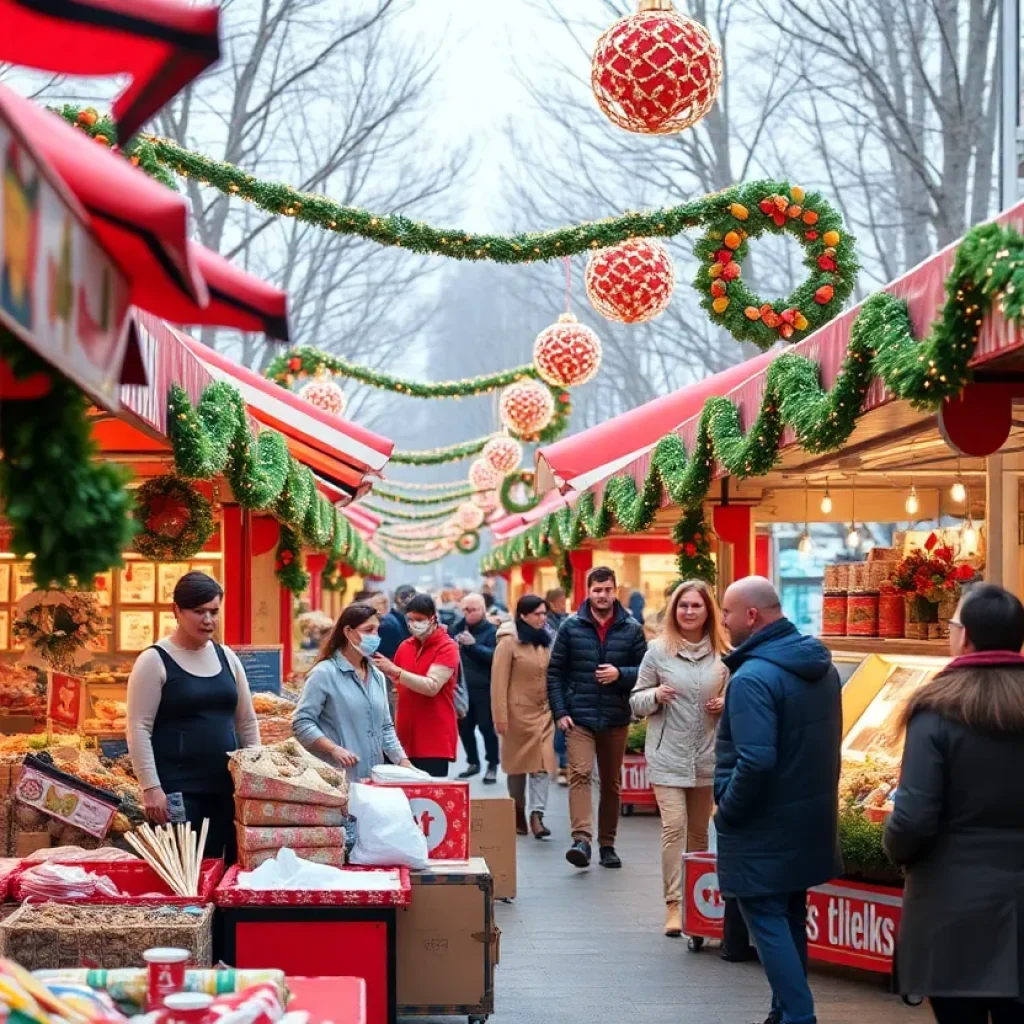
{"x": 958, "y": 492}
{"x": 969, "y": 537}
{"x": 853, "y": 537}
{"x": 805, "y": 545}
{"x": 912, "y": 504}
{"x": 826, "y": 500}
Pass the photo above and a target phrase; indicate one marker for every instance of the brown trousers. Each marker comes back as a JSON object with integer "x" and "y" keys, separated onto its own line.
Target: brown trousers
{"x": 685, "y": 815}
{"x": 608, "y": 746}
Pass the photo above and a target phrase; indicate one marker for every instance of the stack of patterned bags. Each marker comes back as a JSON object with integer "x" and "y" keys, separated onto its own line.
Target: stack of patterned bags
{"x": 286, "y": 797}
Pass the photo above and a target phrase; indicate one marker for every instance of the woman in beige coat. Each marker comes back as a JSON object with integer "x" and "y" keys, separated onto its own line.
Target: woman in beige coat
{"x": 680, "y": 690}
{"x": 522, "y": 718}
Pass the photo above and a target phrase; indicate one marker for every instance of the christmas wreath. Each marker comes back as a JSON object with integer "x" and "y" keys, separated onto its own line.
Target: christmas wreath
{"x": 519, "y": 478}
{"x": 177, "y": 520}
{"x": 288, "y": 562}
{"x": 694, "y": 555}
{"x": 56, "y": 626}
{"x": 468, "y": 542}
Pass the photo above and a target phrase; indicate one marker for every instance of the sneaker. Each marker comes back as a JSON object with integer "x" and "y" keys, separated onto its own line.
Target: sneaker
{"x": 491, "y": 775}
{"x": 563, "y": 777}
{"x": 609, "y": 858}
{"x": 471, "y": 770}
{"x": 578, "y": 854}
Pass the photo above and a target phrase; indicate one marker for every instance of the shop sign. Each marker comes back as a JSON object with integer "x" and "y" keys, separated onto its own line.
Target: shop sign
{"x": 634, "y": 774}
{"x": 64, "y": 801}
{"x": 64, "y": 700}
{"x": 60, "y": 292}
{"x": 441, "y": 809}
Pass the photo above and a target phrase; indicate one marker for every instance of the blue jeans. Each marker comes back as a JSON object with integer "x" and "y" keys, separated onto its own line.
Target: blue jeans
{"x": 560, "y": 748}
{"x": 778, "y": 926}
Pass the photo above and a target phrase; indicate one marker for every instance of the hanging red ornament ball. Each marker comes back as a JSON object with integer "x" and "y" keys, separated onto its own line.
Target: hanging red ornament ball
{"x": 324, "y": 394}
{"x": 566, "y": 354}
{"x": 504, "y": 454}
{"x": 656, "y": 72}
{"x": 469, "y": 516}
{"x": 631, "y": 282}
{"x": 526, "y": 408}
{"x": 483, "y": 476}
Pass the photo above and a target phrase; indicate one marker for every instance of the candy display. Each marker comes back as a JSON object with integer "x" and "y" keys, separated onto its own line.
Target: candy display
{"x": 286, "y": 771}
{"x": 23, "y": 691}
{"x": 272, "y": 704}
{"x": 58, "y": 935}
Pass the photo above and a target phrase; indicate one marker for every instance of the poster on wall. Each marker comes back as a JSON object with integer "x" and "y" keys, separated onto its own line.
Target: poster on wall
{"x": 137, "y": 581}
{"x": 166, "y": 624}
{"x": 135, "y": 631}
{"x": 168, "y": 575}
{"x": 103, "y": 585}
{"x": 5, "y": 582}
{"x": 5, "y": 628}
{"x": 100, "y": 643}
{"x": 23, "y": 581}
{"x": 64, "y": 700}
{"x": 208, "y": 567}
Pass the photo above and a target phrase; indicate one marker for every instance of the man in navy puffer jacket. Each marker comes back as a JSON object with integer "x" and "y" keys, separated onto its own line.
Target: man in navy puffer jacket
{"x": 777, "y": 784}
{"x": 593, "y": 668}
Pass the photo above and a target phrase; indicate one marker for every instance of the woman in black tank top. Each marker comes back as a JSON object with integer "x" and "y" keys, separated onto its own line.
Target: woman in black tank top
{"x": 194, "y": 726}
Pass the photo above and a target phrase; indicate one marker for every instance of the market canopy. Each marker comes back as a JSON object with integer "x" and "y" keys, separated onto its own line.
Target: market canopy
{"x": 342, "y": 453}
{"x": 162, "y": 45}
{"x": 144, "y": 226}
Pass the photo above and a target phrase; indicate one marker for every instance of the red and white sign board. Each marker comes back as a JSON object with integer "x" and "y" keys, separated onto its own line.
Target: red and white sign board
{"x": 64, "y": 802}
{"x": 441, "y": 809}
{"x": 635, "y": 787}
{"x": 64, "y": 700}
{"x": 848, "y": 923}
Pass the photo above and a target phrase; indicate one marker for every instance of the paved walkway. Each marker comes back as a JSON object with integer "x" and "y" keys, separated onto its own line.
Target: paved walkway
{"x": 586, "y": 948}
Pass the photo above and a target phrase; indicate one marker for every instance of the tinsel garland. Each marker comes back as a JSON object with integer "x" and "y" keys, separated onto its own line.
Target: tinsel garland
{"x": 729, "y": 217}
{"x": 989, "y": 267}
{"x": 388, "y": 514}
{"x": 64, "y": 502}
{"x": 464, "y": 490}
{"x": 440, "y": 456}
{"x": 213, "y": 438}
{"x": 288, "y": 562}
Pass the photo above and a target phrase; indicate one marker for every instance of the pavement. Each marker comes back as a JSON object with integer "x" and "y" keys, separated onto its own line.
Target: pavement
{"x": 587, "y": 946}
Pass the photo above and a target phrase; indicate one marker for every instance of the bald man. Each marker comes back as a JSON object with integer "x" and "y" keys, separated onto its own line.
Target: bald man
{"x": 777, "y": 784}
{"x": 477, "y": 637}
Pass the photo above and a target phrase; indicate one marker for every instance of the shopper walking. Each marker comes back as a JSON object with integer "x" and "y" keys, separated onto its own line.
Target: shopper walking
{"x": 680, "y": 691}
{"x": 343, "y": 715}
{"x": 425, "y": 670}
{"x": 777, "y": 784}
{"x": 958, "y": 822}
{"x": 477, "y": 638}
{"x": 522, "y": 715}
{"x": 592, "y": 671}
{"x": 558, "y": 612}
{"x": 189, "y": 706}
{"x": 393, "y": 628}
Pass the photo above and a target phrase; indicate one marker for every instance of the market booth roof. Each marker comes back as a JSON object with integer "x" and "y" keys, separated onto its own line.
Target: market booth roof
{"x": 161, "y": 44}
{"x": 144, "y": 226}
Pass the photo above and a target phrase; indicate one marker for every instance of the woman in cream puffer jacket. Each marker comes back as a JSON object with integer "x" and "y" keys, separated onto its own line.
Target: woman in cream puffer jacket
{"x": 680, "y": 690}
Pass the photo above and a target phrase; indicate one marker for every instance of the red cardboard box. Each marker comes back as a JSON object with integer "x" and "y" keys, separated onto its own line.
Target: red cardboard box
{"x": 441, "y": 809}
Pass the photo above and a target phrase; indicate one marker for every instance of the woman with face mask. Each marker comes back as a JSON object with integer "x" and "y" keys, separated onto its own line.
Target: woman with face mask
{"x": 343, "y": 716}
{"x": 425, "y": 671}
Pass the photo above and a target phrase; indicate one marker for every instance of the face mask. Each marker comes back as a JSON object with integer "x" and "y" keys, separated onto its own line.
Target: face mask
{"x": 420, "y": 628}
{"x": 368, "y": 644}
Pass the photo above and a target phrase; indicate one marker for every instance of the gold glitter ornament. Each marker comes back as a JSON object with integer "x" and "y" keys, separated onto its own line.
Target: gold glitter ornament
{"x": 631, "y": 282}
{"x": 656, "y": 72}
{"x": 566, "y": 354}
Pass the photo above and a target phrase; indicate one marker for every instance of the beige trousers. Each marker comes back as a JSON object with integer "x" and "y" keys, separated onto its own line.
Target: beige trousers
{"x": 685, "y": 816}
{"x": 607, "y": 748}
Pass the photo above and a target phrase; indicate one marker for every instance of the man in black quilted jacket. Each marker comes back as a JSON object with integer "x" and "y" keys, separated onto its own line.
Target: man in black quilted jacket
{"x": 594, "y": 663}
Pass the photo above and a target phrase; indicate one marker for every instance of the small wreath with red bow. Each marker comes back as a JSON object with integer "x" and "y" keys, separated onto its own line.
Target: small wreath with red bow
{"x": 177, "y": 519}
{"x": 468, "y": 542}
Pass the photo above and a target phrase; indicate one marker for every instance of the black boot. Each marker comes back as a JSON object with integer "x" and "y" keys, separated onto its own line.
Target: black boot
{"x": 609, "y": 858}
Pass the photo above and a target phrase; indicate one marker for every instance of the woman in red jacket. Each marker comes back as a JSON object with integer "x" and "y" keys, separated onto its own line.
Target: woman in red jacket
{"x": 425, "y": 669}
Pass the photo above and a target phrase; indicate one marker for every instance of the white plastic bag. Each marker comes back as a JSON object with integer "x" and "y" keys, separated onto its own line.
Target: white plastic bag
{"x": 391, "y": 773}
{"x": 386, "y": 832}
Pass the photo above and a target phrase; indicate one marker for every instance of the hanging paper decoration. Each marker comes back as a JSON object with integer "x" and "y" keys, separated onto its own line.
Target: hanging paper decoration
{"x": 656, "y": 72}
{"x": 503, "y": 453}
{"x": 566, "y": 354}
{"x": 469, "y": 516}
{"x": 325, "y": 394}
{"x": 526, "y": 408}
{"x": 630, "y": 282}
{"x": 483, "y": 476}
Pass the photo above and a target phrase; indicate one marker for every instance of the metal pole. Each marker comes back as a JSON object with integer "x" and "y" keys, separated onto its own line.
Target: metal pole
{"x": 1009, "y": 64}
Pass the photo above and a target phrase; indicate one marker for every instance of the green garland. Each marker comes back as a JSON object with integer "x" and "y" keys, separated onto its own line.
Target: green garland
{"x": 288, "y": 562}
{"x": 508, "y": 503}
{"x": 439, "y": 456}
{"x": 389, "y": 514}
{"x": 989, "y": 267}
{"x": 65, "y": 504}
{"x": 692, "y": 537}
{"x": 193, "y": 535}
{"x": 461, "y": 493}
{"x": 213, "y": 438}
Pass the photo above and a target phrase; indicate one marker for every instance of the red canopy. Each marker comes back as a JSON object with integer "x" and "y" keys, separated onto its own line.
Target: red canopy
{"x": 162, "y": 44}
{"x": 144, "y": 227}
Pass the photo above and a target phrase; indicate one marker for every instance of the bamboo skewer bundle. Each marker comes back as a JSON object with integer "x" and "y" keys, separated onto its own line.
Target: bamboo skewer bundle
{"x": 173, "y": 852}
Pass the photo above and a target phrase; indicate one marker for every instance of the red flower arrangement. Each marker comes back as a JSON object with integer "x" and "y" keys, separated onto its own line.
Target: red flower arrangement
{"x": 930, "y": 573}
